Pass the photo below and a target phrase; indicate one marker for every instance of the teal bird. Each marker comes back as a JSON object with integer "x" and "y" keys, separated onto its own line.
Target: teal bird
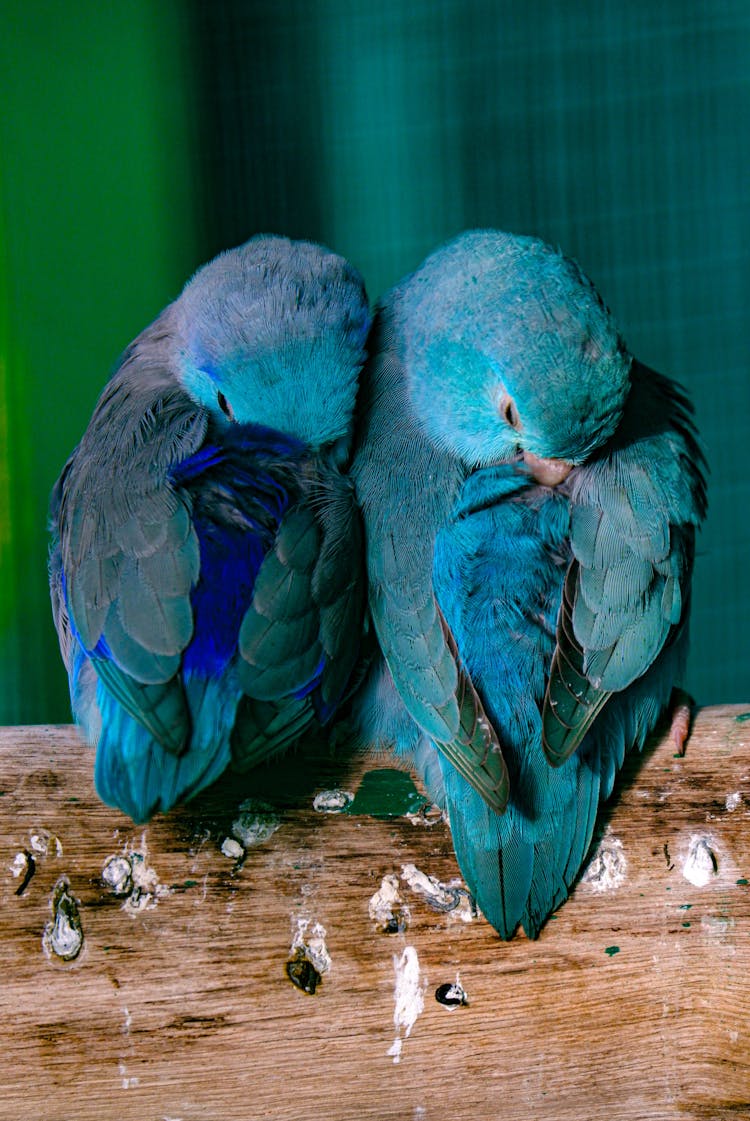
{"x": 207, "y": 573}
{"x": 530, "y": 494}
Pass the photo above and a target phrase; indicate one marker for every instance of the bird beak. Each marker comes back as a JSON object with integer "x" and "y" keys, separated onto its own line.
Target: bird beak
{"x": 547, "y": 472}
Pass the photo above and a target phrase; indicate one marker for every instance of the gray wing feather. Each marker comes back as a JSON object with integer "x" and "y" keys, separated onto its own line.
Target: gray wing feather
{"x": 635, "y": 510}
{"x": 129, "y": 554}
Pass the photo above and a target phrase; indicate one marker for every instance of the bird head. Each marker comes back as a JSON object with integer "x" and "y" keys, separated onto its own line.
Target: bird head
{"x": 273, "y": 333}
{"x": 509, "y": 350}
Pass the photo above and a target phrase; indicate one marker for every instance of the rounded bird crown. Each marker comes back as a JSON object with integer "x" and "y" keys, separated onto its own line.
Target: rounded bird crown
{"x": 273, "y": 333}
{"x": 509, "y": 347}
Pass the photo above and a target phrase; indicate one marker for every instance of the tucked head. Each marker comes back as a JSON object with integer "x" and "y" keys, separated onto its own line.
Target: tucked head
{"x": 508, "y": 347}
{"x": 273, "y": 333}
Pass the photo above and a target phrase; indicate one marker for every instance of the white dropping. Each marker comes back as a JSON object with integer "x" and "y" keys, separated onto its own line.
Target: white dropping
{"x": 232, "y": 849}
{"x": 451, "y": 898}
{"x": 147, "y": 891}
{"x": 128, "y": 874}
{"x": 63, "y": 937}
{"x": 117, "y": 874}
{"x": 19, "y": 865}
{"x": 408, "y": 997}
{"x": 428, "y": 816}
{"x": 332, "y": 801}
{"x": 733, "y": 801}
{"x": 386, "y": 907}
{"x": 453, "y": 996}
{"x": 255, "y": 823}
{"x": 45, "y": 843}
{"x": 607, "y": 870}
{"x": 700, "y": 865}
{"x": 456, "y": 992}
{"x": 309, "y": 940}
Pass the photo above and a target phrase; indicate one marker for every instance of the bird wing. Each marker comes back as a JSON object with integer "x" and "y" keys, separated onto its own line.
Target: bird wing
{"x": 634, "y": 510}
{"x": 423, "y": 658}
{"x": 128, "y": 552}
{"x": 415, "y": 639}
{"x": 300, "y": 637}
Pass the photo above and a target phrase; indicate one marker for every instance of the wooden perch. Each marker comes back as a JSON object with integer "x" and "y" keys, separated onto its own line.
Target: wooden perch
{"x": 166, "y": 971}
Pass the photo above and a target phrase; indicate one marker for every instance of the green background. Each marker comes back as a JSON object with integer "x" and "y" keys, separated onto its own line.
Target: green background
{"x": 137, "y": 139}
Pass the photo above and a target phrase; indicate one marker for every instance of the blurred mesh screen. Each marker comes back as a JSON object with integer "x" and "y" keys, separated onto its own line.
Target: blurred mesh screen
{"x": 618, "y": 131}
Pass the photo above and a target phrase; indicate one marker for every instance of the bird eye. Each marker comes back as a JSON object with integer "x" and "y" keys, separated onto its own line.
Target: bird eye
{"x": 509, "y": 412}
{"x": 225, "y": 407}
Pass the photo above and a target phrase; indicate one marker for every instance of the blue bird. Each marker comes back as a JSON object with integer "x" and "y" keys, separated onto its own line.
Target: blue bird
{"x": 206, "y": 570}
{"x": 530, "y": 494}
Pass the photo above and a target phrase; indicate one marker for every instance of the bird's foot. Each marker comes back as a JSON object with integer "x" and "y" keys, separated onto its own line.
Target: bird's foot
{"x": 681, "y": 719}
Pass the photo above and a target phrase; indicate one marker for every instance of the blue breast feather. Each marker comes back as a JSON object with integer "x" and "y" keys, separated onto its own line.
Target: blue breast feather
{"x": 498, "y": 575}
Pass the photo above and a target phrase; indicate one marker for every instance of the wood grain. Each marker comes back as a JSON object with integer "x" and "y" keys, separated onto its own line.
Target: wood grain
{"x": 634, "y": 1002}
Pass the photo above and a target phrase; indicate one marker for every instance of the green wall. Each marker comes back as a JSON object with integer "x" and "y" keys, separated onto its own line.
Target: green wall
{"x": 97, "y": 232}
{"x": 139, "y": 138}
